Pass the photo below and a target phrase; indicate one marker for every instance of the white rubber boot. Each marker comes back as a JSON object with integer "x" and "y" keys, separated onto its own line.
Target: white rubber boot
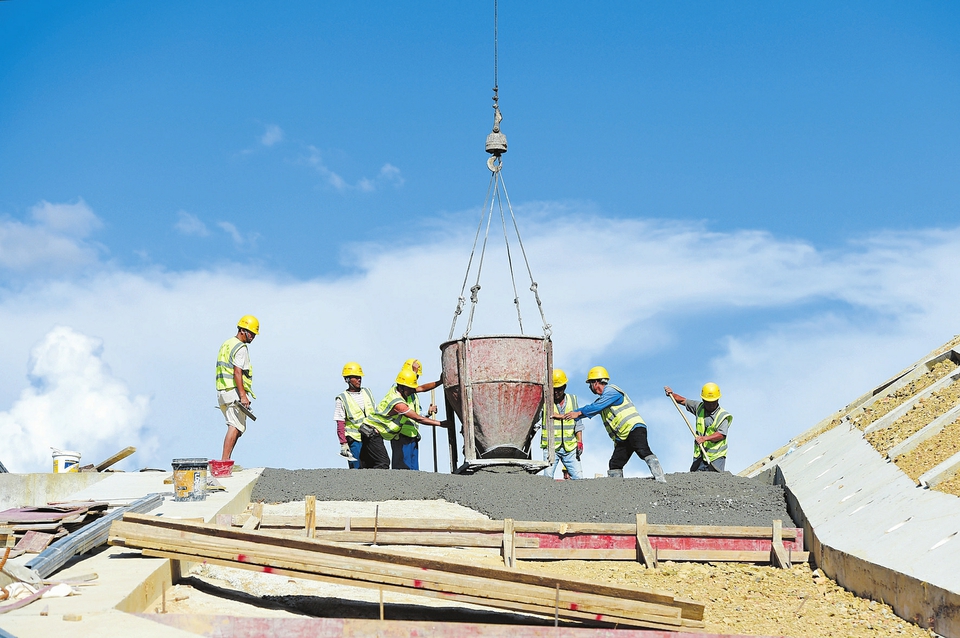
{"x": 615, "y": 473}
{"x": 654, "y": 464}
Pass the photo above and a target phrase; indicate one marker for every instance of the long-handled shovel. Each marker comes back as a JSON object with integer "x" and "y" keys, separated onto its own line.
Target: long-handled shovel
{"x": 703, "y": 450}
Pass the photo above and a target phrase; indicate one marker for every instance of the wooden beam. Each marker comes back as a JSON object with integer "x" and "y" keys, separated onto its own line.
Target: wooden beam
{"x": 116, "y": 458}
{"x": 430, "y": 539}
{"x": 253, "y": 522}
{"x": 645, "y": 552}
{"x": 509, "y": 549}
{"x": 691, "y": 555}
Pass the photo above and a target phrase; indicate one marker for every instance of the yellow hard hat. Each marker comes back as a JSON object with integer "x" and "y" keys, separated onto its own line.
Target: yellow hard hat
{"x": 710, "y": 392}
{"x": 408, "y": 365}
{"x": 559, "y": 378}
{"x": 407, "y": 377}
{"x": 352, "y": 369}
{"x": 598, "y": 372}
{"x": 249, "y": 322}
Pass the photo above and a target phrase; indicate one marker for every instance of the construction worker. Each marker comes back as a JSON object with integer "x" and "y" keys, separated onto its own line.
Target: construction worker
{"x": 712, "y": 425}
{"x": 567, "y": 437}
{"x": 622, "y": 421}
{"x": 350, "y": 408}
{"x": 385, "y": 423}
{"x": 406, "y": 447}
{"x": 234, "y": 381}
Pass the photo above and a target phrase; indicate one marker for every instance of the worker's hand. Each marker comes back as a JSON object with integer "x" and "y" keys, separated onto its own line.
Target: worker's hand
{"x": 700, "y": 439}
{"x": 667, "y": 390}
{"x": 245, "y": 401}
{"x": 431, "y": 410}
{"x": 345, "y": 450}
{"x": 579, "y": 449}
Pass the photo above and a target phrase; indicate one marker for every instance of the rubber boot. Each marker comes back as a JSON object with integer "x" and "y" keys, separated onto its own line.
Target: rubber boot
{"x": 654, "y": 464}
{"x": 615, "y": 473}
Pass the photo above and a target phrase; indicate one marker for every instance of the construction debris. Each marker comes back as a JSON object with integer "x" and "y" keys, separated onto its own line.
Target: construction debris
{"x": 548, "y": 598}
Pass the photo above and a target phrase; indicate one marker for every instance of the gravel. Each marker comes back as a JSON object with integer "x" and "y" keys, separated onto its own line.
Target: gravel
{"x": 702, "y": 498}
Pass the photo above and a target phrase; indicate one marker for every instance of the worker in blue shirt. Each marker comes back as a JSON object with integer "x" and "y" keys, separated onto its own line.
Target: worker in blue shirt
{"x": 622, "y": 422}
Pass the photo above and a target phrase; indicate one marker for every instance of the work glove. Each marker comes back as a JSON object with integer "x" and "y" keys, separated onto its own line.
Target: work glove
{"x": 579, "y": 449}
{"x": 346, "y": 453}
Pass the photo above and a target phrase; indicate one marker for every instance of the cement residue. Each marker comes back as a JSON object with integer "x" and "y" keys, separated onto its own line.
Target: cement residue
{"x": 703, "y": 498}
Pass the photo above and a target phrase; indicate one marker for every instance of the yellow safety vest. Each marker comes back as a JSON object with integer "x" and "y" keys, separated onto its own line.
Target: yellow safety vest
{"x": 388, "y": 425}
{"x": 225, "y": 364}
{"x": 353, "y": 413}
{"x": 563, "y": 431}
{"x": 714, "y": 449}
{"x": 619, "y": 420}
{"x": 409, "y": 427}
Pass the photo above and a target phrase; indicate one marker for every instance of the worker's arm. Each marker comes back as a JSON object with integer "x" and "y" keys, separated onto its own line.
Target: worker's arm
{"x": 238, "y": 380}
{"x": 427, "y": 386}
{"x": 404, "y": 409}
{"x": 676, "y": 397}
{"x": 716, "y": 436}
{"x": 605, "y": 400}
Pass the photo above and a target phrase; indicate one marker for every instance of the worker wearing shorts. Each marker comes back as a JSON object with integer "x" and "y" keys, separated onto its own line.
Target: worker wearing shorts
{"x": 235, "y": 381}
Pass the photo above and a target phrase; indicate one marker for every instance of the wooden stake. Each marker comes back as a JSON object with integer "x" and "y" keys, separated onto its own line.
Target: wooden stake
{"x": 778, "y": 553}
{"x": 556, "y": 609}
{"x": 376, "y": 521}
{"x": 381, "y": 603}
{"x": 644, "y": 550}
{"x": 509, "y": 547}
{"x": 310, "y": 519}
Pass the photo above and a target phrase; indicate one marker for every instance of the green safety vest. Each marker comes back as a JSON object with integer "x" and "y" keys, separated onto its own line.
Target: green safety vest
{"x": 354, "y": 413}
{"x": 620, "y": 419}
{"x": 409, "y": 427}
{"x": 225, "y": 359}
{"x": 563, "y": 431}
{"x": 714, "y": 449}
{"x": 388, "y": 425}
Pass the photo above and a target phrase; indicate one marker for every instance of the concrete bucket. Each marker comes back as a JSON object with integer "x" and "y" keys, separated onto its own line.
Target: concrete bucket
{"x": 496, "y": 385}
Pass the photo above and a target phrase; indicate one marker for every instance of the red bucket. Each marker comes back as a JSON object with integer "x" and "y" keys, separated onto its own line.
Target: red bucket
{"x": 220, "y": 469}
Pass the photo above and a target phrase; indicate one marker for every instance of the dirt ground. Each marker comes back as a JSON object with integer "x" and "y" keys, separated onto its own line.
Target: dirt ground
{"x": 888, "y": 403}
{"x": 931, "y": 452}
{"x": 921, "y": 414}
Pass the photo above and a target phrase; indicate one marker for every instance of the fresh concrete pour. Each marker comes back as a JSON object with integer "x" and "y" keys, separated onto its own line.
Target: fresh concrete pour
{"x": 702, "y": 498}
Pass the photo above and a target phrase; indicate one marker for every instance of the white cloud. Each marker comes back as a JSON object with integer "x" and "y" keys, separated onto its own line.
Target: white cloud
{"x": 273, "y": 135}
{"x": 188, "y": 224}
{"x": 389, "y": 174}
{"x": 231, "y": 230}
{"x": 813, "y": 329}
{"x": 73, "y": 402}
{"x": 56, "y": 241}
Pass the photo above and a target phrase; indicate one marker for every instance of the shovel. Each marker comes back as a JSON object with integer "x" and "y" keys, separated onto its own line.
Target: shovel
{"x": 703, "y": 450}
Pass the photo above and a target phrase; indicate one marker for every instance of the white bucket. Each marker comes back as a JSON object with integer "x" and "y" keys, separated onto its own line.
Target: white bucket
{"x": 65, "y": 461}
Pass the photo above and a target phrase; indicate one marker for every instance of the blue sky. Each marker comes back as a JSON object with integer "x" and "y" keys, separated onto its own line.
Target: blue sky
{"x": 771, "y": 190}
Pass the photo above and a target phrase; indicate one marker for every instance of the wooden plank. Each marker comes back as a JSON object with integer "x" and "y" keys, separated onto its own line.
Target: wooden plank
{"x": 34, "y": 542}
{"x": 481, "y": 525}
{"x": 368, "y": 564}
{"x": 645, "y": 552}
{"x": 778, "y": 553}
{"x": 692, "y": 555}
{"x": 116, "y": 458}
{"x": 310, "y": 516}
{"x": 483, "y": 590}
{"x": 430, "y": 539}
{"x": 253, "y": 521}
{"x": 419, "y": 562}
{"x": 508, "y": 550}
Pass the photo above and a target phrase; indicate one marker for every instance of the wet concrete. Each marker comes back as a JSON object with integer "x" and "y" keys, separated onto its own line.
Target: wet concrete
{"x": 703, "y": 498}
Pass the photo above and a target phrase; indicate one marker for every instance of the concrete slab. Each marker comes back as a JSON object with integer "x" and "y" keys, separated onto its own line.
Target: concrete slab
{"x": 23, "y": 490}
{"x": 127, "y": 581}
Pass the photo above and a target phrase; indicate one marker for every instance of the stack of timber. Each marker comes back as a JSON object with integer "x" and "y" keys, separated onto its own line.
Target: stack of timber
{"x": 532, "y": 540}
{"x": 549, "y": 598}
{"x": 31, "y": 529}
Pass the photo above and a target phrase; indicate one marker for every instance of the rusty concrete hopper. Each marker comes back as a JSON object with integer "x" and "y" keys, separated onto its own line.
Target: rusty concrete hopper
{"x": 496, "y": 385}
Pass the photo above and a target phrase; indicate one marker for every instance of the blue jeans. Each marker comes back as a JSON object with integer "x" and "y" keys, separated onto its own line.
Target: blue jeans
{"x": 569, "y": 461}
{"x": 406, "y": 453}
{"x": 355, "y": 451}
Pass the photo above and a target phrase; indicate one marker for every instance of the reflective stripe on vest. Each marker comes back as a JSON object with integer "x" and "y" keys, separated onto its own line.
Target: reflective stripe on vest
{"x": 714, "y": 449}
{"x": 409, "y": 427}
{"x": 388, "y": 425}
{"x": 563, "y": 431}
{"x": 225, "y": 364}
{"x": 353, "y": 412}
{"x": 620, "y": 419}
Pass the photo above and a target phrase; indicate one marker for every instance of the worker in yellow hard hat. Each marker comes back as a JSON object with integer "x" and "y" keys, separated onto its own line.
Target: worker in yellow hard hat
{"x": 567, "y": 436}
{"x": 235, "y": 380}
{"x": 393, "y": 413}
{"x": 350, "y": 408}
{"x": 713, "y": 422}
{"x": 622, "y": 422}
{"x": 405, "y": 448}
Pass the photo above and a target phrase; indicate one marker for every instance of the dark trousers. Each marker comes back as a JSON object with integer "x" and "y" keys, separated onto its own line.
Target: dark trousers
{"x": 699, "y": 465}
{"x": 406, "y": 452}
{"x": 636, "y": 441}
{"x": 373, "y": 453}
